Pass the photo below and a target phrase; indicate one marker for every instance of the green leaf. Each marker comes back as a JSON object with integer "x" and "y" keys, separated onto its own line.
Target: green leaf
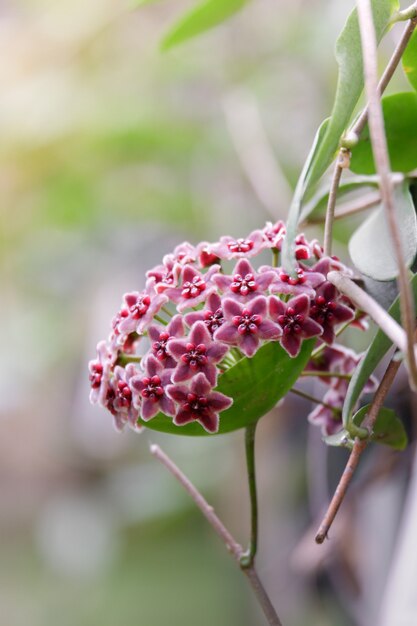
{"x": 371, "y": 246}
{"x": 256, "y": 385}
{"x": 349, "y": 84}
{"x": 388, "y": 428}
{"x": 409, "y": 60}
{"x": 201, "y": 18}
{"x": 288, "y": 254}
{"x": 400, "y": 118}
{"x": 341, "y": 439}
{"x": 378, "y": 348}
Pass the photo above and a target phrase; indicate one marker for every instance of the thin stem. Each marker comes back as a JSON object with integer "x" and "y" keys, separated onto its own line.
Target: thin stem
{"x": 160, "y": 320}
{"x": 407, "y": 14}
{"x": 248, "y": 557}
{"x": 307, "y": 396}
{"x": 358, "y": 447}
{"x": 326, "y": 374}
{"x": 231, "y": 544}
{"x": 123, "y": 359}
{"x": 382, "y": 164}
{"x": 359, "y": 297}
{"x": 167, "y": 311}
{"x": 275, "y": 257}
{"x": 347, "y": 209}
{"x": 331, "y": 204}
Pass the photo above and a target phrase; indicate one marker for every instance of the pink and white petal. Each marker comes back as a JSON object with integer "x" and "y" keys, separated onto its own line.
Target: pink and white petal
{"x": 209, "y": 421}
{"x": 181, "y": 373}
{"x": 216, "y": 351}
{"x": 249, "y": 344}
{"x": 200, "y": 385}
{"x": 276, "y": 307}
{"x": 176, "y": 326}
{"x": 167, "y": 406}
{"x": 300, "y": 304}
{"x": 227, "y": 333}
{"x": 193, "y": 317}
{"x": 258, "y": 306}
{"x": 310, "y": 328}
{"x": 149, "y": 409}
{"x": 222, "y": 282}
{"x": 269, "y": 330}
{"x": 210, "y": 372}
{"x": 219, "y": 401}
{"x": 176, "y": 348}
{"x": 177, "y": 392}
{"x": 231, "y": 308}
{"x": 200, "y": 334}
{"x": 291, "y": 343}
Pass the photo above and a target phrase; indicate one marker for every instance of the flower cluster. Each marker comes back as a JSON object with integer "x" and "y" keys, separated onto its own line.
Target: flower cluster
{"x": 204, "y": 308}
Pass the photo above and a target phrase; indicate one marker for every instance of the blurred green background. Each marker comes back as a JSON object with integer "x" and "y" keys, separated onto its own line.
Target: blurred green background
{"x": 110, "y": 154}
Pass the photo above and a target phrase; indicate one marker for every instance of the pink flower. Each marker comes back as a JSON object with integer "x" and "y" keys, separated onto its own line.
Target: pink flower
{"x": 150, "y": 390}
{"x": 246, "y": 325}
{"x": 119, "y": 397}
{"x": 293, "y": 317}
{"x": 194, "y": 289}
{"x": 305, "y": 282}
{"x": 196, "y": 353}
{"x": 198, "y": 403}
{"x": 206, "y": 254}
{"x": 160, "y": 335}
{"x": 141, "y": 307}
{"x": 100, "y": 372}
{"x": 274, "y": 234}
{"x": 211, "y": 315}
{"x": 230, "y": 248}
{"x": 329, "y": 418}
{"x": 245, "y": 283}
{"x": 327, "y": 310}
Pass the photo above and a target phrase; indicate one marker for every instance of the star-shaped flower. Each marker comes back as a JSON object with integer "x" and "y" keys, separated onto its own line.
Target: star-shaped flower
{"x": 211, "y": 315}
{"x": 247, "y": 324}
{"x": 160, "y": 335}
{"x": 327, "y": 310}
{"x": 244, "y": 284}
{"x": 231, "y": 248}
{"x": 293, "y": 317}
{"x": 199, "y": 403}
{"x": 149, "y": 390}
{"x": 196, "y": 353}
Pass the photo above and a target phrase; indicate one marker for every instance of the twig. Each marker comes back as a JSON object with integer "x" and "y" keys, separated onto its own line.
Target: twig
{"x": 367, "y": 304}
{"x": 307, "y": 396}
{"x": 255, "y": 153}
{"x": 248, "y": 558}
{"x": 358, "y": 447}
{"x": 231, "y": 544}
{"x": 331, "y": 203}
{"x": 380, "y": 152}
{"x": 347, "y": 209}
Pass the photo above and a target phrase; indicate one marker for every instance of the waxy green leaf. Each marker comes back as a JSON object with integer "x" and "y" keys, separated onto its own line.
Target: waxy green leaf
{"x": 199, "y": 19}
{"x": 255, "y": 384}
{"x": 400, "y": 118}
{"x": 378, "y": 348}
{"x": 349, "y": 84}
{"x": 326, "y": 142}
{"x": 388, "y": 428}
{"x": 409, "y": 60}
{"x": 371, "y": 246}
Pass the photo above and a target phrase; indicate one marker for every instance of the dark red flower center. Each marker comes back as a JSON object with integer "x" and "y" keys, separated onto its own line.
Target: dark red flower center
{"x": 192, "y": 289}
{"x": 322, "y": 310}
{"x": 196, "y": 356}
{"x": 300, "y": 279}
{"x": 240, "y": 245}
{"x": 159, "y": 347}
{"x": 109, "y": 401}
{"x": 213, "y": 321}
{"x": 96, "y": 375}
{"x": 243, "y": 284}
{"x": 291, "y": 322}
{"x": 124, "y": 395}
{"x": 198, "y": 405}
{"x": 153, "y": 389}
{"x": 138, "y": 309}
{"x": 247, "y": 324}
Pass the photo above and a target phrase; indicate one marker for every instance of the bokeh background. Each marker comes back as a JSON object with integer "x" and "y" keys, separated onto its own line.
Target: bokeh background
{"x": 111, "y": 153}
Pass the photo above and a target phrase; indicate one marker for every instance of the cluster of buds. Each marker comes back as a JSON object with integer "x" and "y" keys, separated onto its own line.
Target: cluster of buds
{"x": 203, "y": 309}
